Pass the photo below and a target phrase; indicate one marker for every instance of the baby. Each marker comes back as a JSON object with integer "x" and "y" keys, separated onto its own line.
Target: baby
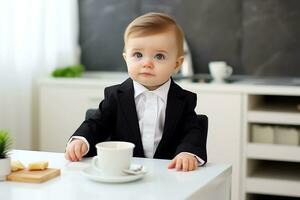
{"x": 148, "y": 109}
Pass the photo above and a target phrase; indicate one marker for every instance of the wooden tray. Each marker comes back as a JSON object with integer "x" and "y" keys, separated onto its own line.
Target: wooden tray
{"x": 33, "y": 176}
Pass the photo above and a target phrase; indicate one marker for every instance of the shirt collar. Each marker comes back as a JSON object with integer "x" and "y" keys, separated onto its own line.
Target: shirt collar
{"x": 162, "y": 91}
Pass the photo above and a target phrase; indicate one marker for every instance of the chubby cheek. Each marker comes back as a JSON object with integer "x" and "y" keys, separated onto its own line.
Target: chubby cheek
{"x": 164, "y": 76}
{"x": 166, "y": 70}
{"x": 132, "y": 64}
{"x": 132, "y": 71}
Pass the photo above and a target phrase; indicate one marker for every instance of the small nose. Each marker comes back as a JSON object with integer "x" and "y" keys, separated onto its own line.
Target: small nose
{"x": 147, "y": 63}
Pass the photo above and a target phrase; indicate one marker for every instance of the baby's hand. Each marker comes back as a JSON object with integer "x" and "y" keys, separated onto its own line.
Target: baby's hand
{"x": 184, "y": 161}
{"x": 75, "y": 150}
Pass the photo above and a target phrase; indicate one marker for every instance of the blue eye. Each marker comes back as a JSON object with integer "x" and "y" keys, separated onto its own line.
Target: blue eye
{"x": 137, "y": 55}
{"x": 159, "y": 56}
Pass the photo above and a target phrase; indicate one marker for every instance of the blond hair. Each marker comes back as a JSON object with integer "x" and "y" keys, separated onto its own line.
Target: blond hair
{"x": 153, "y": 23}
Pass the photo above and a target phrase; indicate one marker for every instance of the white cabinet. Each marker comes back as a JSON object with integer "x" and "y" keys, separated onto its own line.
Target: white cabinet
{"x": 224, "y": 129}
{"x": 271, "y": 169}
{"x": 224, "y": 110}
{"x": 62, "y": 107}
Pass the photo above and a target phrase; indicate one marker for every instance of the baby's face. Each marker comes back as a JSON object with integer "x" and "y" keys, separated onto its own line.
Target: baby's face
{"x": 151, "y": 60}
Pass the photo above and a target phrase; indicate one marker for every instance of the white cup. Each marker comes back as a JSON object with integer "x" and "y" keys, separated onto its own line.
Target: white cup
{"x": 113, "y": 157}
{"x": 219, "y": 70}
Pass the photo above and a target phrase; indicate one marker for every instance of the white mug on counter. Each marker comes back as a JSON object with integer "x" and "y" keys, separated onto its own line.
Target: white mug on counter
{"x": 113, "y": 157}
{"x": 219, "y": 71}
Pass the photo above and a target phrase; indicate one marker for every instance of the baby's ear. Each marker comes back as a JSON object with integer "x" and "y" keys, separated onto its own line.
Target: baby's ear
{"x": 179, "y": 62}
{"x": 124, "y": 56}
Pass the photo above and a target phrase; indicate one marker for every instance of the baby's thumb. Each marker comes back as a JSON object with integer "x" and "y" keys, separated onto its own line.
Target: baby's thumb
{"x": 83, "y": 149}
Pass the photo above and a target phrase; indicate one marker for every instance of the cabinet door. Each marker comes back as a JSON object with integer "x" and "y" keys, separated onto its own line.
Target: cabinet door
{"x": 224, "y": 131}
{"x": 62, "y": 110}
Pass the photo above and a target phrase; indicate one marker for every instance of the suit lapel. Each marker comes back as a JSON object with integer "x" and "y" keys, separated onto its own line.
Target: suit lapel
{"x": 127, "y": 105}
{"x": 174, "y": 110}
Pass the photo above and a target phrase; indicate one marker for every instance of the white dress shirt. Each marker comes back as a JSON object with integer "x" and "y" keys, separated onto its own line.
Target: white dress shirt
{"x": 140, "y": 95}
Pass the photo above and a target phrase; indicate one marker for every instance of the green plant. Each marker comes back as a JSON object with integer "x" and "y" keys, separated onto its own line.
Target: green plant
{"x": 69, "y": 71}
{"x": 5, "y": 143}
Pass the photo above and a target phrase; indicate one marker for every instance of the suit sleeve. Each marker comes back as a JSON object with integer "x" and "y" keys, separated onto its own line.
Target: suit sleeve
{"x": 101, "y": 125}
{"x": 195, "y": 135}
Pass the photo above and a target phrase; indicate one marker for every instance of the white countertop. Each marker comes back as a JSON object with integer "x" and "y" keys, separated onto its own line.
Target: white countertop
{"x": 209, "y": 182}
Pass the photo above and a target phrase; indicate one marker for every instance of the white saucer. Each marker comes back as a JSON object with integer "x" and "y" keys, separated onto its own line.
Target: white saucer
{"x": 94, "y": 175}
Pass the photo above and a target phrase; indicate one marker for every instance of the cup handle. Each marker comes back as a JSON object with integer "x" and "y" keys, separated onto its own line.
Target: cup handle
{"x": 229, "y": 71}
{"x": 94, "y": 160}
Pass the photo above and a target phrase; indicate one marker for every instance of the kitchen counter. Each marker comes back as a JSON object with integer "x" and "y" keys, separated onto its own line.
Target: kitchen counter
{"x": 248, "y": 85}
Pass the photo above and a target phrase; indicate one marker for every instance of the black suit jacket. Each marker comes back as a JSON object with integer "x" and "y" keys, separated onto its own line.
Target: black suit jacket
{"x": 116, "y": 119}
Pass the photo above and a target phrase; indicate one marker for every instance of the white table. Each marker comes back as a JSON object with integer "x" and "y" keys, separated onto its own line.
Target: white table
{"x": 210, "y": 182}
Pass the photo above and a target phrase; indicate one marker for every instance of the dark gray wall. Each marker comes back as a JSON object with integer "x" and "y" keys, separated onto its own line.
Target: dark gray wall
{"x": 271, "y": 37}
{"x": 255, "y": 37}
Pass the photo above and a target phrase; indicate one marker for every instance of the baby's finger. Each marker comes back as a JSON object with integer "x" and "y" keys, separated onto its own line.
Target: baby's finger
{"x": 83, "y": 149}
{"x": 172, "y": 164}
{"x": 185, "y": 165}
{"x": 72, "y": 153}
{"x": 78, "y": 151}
{"x": 178, "y": 164}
